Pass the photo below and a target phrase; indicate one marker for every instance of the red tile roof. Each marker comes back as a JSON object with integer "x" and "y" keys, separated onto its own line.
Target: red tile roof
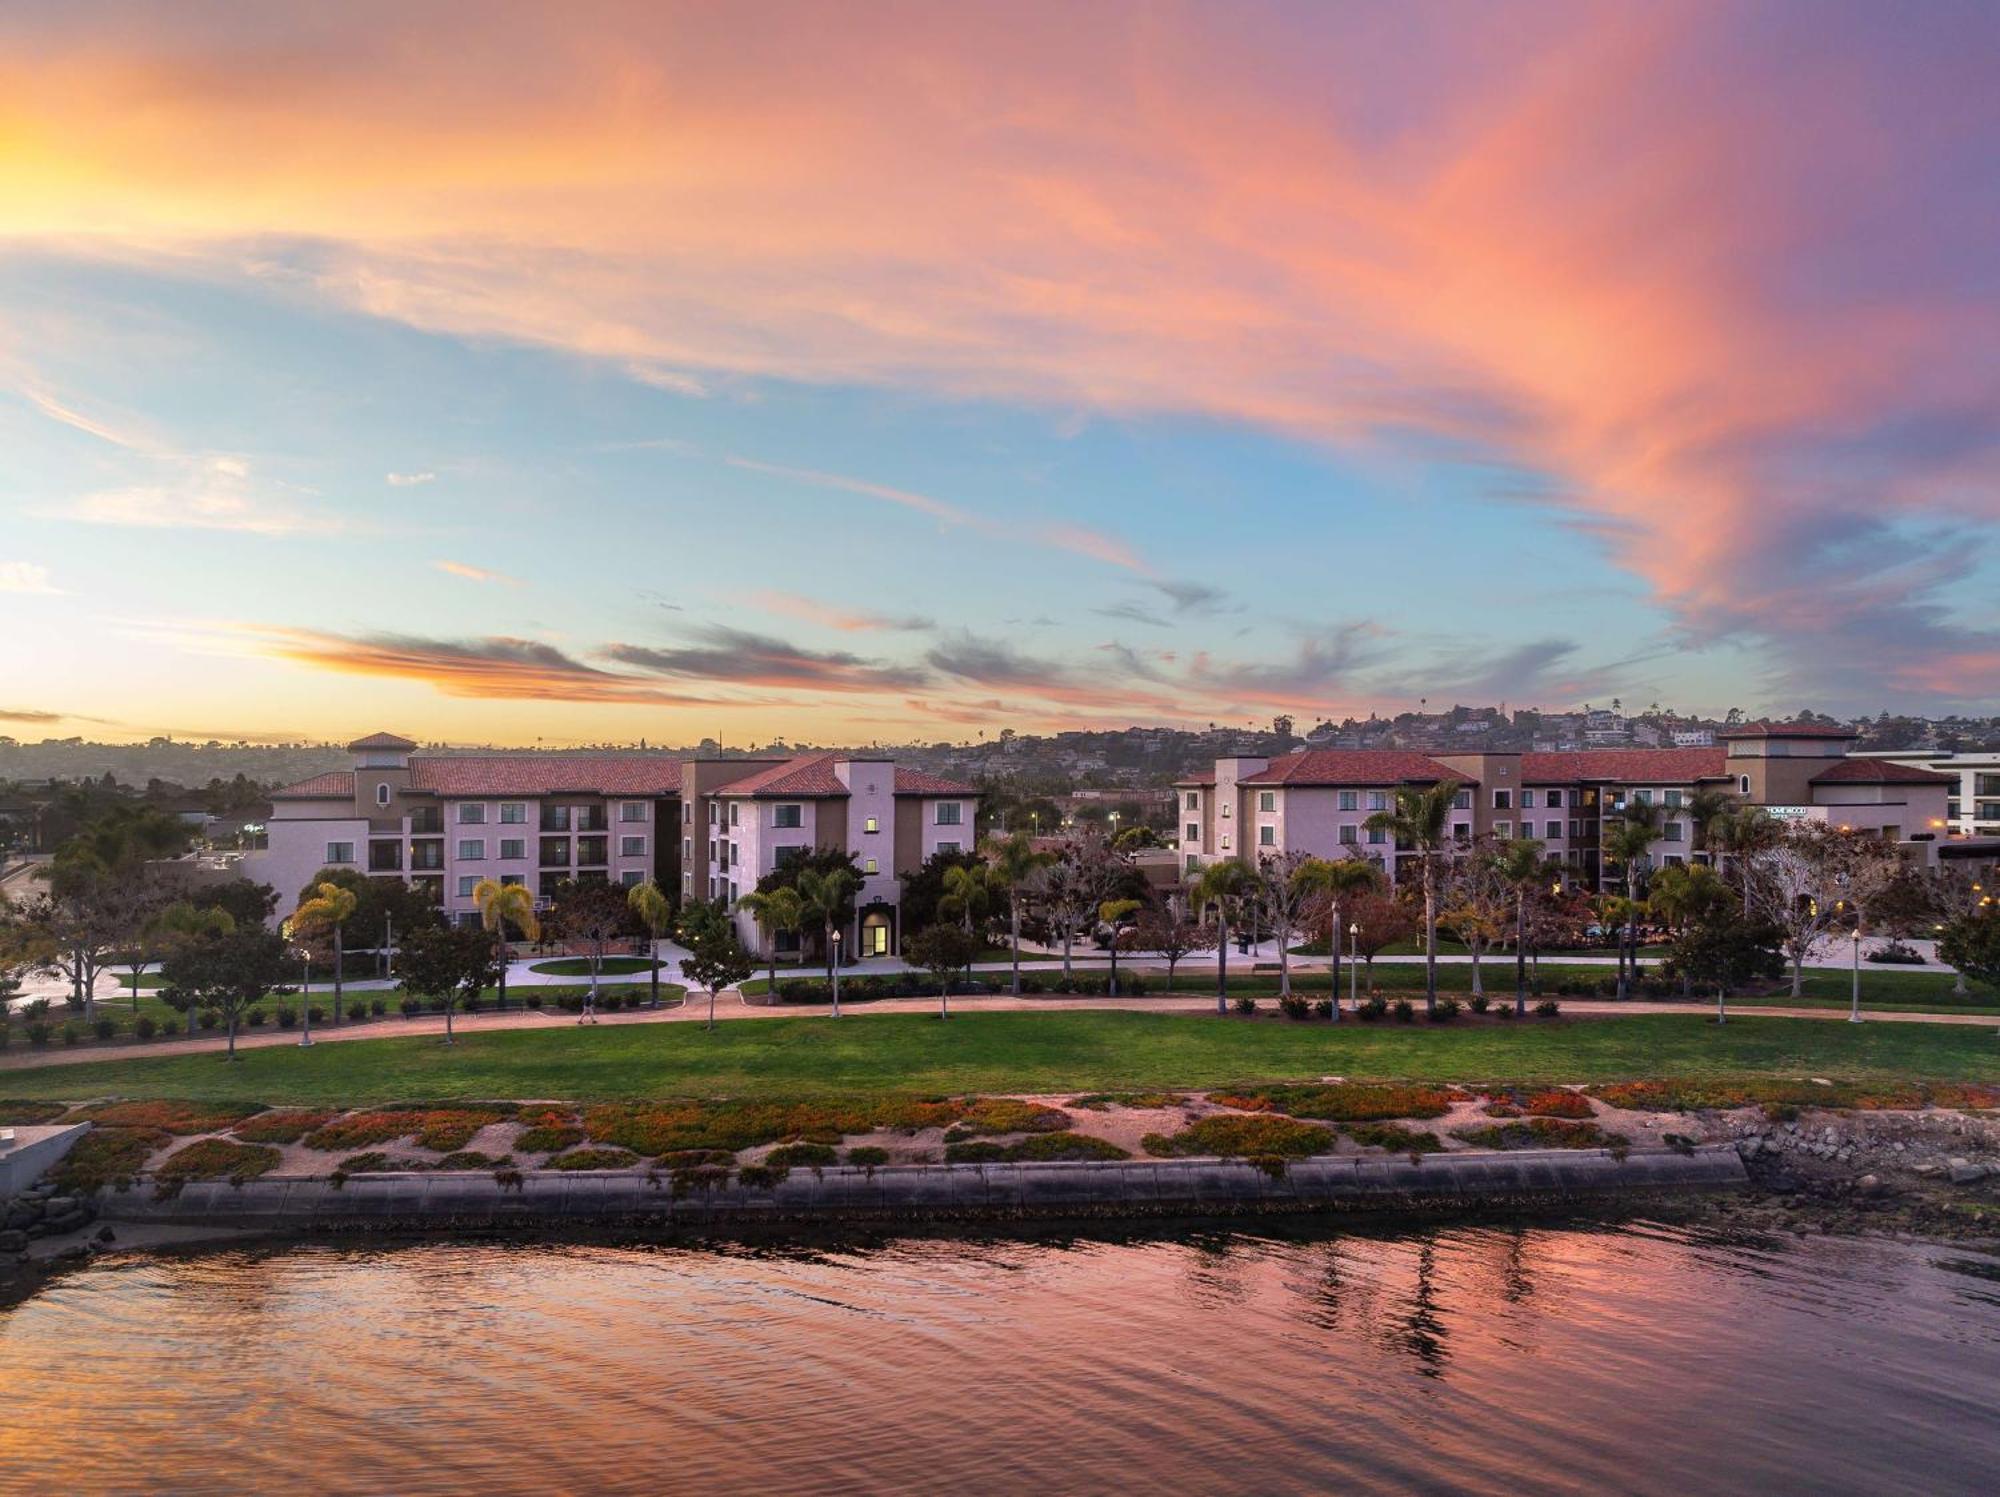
{"x": 1660, "y": 766}
{"x": 1786, "y": 730}
{"x": 337, "y": 784}
{"x": 1354, "y": 767}
{"x": 812, "y": 775}
{"x": 1197, "y": 781}
{"x": 546, "y": 774}
{"x": 1879, "y": 772}
{"x": 917, "y": 782}
{"x": 381, "y": 741}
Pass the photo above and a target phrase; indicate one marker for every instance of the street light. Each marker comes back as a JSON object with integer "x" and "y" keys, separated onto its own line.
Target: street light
{"x": 1854, "y": 1013}
{"x": 305, "y": 994}
{"x": 1353, "y": 965}
{"x": 836, "y": 974}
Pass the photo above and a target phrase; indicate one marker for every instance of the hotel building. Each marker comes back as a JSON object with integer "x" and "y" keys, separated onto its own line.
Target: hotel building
{"x": 700, "y": 828}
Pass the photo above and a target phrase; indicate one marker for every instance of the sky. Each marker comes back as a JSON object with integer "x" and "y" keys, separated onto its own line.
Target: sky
{"x": 835, "y": 373}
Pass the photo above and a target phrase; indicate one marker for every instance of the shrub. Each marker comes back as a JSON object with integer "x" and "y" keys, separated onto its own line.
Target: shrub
{"x": 1227, "y": 1135}
{"x": 1295, "y": 1006}
{"x": 209, "y": 1019}
{"x": 1504, "y": 1011}
{"x": 410, "y": 1008}
{"x": 657, "y": 1128}
{"x": 1405, "y": 1014}
{"x": 533, "y": 999}
{"x": 1548, "y": 1008}
{"x": 39, "y": 1031}
{"x": 1447, "y": 1010}
{"x": 105, "y": 1028}
{"x": 868, "y": 1155}
{"x": 1372, "y": 1008}
{"x": 214, "y": 1159}
{"x": 27, "y": 1114}
{"x": 1006, "y": 1115}
{"x": 1245, "y": 1005}
{"x": 107, "y": 1156}
{"x": 1541, "y": 1133}
{"x": 280, "y": 1126}
{"x": 318, "y": 1015}
{"x": 72, "y": 1033}
{"x": 373, "y": 1163}
{"x": 762, "y": 1176}
{"x": 255, "y": 1018}
{"x": 1048, "y": 1146}
{"x": 1341, "y": 1101}
{"x": 169, "y": 1117}
{"x": 1395, "y": 1138}
{"x": 445, "y": 1129}
{"x": 469, "y": 1005}
{"x": 1480, "y": 1003}
{"x": 378, "y": 1007}
{"x": 1105, "y": 1101}
{"x": 1323, "y": 1008}
{"x": 593, "y": 1159}
{"x": 288, "y": 1017}
{"x": 548, "y": 1138}
{"x": 1901, "y": 956}
{"x": 146, "y": 1027}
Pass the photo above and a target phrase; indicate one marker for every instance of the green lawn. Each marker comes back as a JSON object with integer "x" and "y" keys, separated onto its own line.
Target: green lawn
{"x": 1007, "y": 1052}
{"x": 579, "y": 966}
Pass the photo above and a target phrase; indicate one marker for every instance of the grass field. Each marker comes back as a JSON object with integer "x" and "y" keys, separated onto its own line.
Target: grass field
{"x": 1016, "y": 1052}
{"x": 579, "y": 966}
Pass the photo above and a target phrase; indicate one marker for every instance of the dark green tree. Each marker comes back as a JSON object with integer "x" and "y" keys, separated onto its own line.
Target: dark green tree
{"x": 447, "y": 964}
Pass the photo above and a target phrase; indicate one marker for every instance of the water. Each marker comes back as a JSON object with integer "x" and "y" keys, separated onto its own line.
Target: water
{"x": 1634, "y": 1359}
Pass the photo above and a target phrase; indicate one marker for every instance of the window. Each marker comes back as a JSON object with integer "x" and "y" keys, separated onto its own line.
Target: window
{"x": 1193, "y": 801}
{"x": 789, "y": 854}
{"x": 471, "y": 813}
{"x": 687, "y": 847}
{"x": 340, "y": 852}
{"x": 711, "y": 877}
{"x": 1350, "y": 800}
{"x": 631, "y": 847}
{"x": 508, "y": 880}
{"x": 735, "y": 814}
{"x": 871, "y": 825}
{"x": 732, "y": 891}
{"x": 1267, "y": 836}
{"x": 1743, "y": 784}
{"x": 687, "y": 813}
{"x": 1503, "y": 828}
{"x": 631, "y": 877}
{"x": 513, "y": 813}
{"x": 1986, "y": 784}
{"x": 513, "y": 847}
{"x": 467, "y": 882}
{"x": 1555, "y": 800}
{"x": 1225, "y": 842}
{"x": 788, "y": 816}
{"x": 1527, "y": 800}
{"x": 1378, "y": 800}
{"x": 1349, "y": 836}
{"x": 714, "y": 819}
{"x": 687, "y": 883}
{"x": 1461, "y": 831}
{"x": 1503, "y": 800}
{"x": 591, "y": 851}
{"x": 555, "y": 818}
{"x": 1555, "y": 831}
{"x": 385, "y": 857}
{"x": 1191, "y": 832}
{"x": 1193, "y": 862}
{"x": 1267, "y": 800}
{"x": 1643, "y": 797}
{"x": 632, "y": 810}
{"x": 1462, "y": 801}
{"x": 470, "y": 848}
{"x": 381, "y": 795}
{"x": 1673, "y": 800}
{"x": 1376, "y": 836}
{"x": 555, "y": 852}
{"x": 1672, "y": 831}
{"x": 950, "y": 813}
{"x": 951, "y": 847}
{"x": 869, "y": 865}
{"x": 1224, "y": 809}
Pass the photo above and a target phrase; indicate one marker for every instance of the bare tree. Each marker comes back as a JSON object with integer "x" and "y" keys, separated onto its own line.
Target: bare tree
{"x": 1807, "y": 886}
{"x": 1288, "y": 888}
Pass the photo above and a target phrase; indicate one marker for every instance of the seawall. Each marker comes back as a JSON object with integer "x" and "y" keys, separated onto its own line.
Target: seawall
{"x": 919, "y": 1193}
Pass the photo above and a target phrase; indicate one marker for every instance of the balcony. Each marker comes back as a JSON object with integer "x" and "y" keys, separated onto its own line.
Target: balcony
{"x": 427, "y": 821}
{"x": 427, "y": 857}
{"x": 555, "y": 818}
{"x": 385, "y": 857}
{"x": 555, "y": 852}
{"x": 591, "y": 819}
{"x": 592, "y": 852}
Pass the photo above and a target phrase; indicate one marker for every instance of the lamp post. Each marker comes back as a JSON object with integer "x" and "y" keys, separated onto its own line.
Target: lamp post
{"x": 1854, "y": 1013}
{"x": 305, "y": 997}
{"x": 836, "y": 974}
{"x": 1354, "y": 966}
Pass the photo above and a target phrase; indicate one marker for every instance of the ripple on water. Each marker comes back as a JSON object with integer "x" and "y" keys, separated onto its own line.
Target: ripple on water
{"x": 1634, "y": 1359}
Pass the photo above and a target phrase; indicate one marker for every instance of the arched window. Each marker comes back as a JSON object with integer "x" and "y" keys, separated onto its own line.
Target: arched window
{"x": 381, "y": 795}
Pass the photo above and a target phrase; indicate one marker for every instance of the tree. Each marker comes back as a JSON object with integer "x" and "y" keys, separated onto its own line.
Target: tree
{"x": 1971, "y": 943}
{"x": 325, "y": 916}
{"x": 382, "y": 906}
{"x": 1223, "y": 887}
{"x": 1723, "y": 946}
{"x": 1684, "y": 895}
{"x": 651, "y": 908}
{"x": 924, "y": 889}
{"x": 826, "y": 861}
{"x": 1743, "y": 836}
{"x": 1898, "y": 901}
{"x": 1114, "y": 912}
{"x": 447, "y": 964}
{"x": 1705, "y": 806}
{"x": 1072, "y": 885}
{"x": 715, "y": 959}
{"x": 179, "y": 925}
{"x": 826, "y": 899}
{"x": 593, "y": 914}
{"x": 1804, "y": 886}
{"x": 1013, "y": 861}
{"x": 228, "y": 969}
{"x": 1630, "y": 844}
{"x": 778, "y": 911}
{"x": 1421, "y": 821}
{"x": 1955, "y": 894}
{"x": 1173, "y": 935}
{"x": 1476, "y": 905}
{"x": 943, "y": 951}
{"x": 1286, "y": 886}
{"x": 500, "y": 906}
{"x": 1336, "y": 881}
{"x": 1521, "y": 865}
{"x": 1377, "y": 921}
{"x": 965, "y": 895}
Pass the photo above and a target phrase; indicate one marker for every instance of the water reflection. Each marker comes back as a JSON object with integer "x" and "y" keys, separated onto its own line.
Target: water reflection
{"x": 1632, "y": 1359}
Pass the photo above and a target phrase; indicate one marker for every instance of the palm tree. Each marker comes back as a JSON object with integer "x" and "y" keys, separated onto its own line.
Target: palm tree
{"x": 502, "y": 905}
{"x": 1704, "y": 807}
{"x": 823, "y": 898}
{"x": 1743, "y": 834}
{"x": 964, "y": 896}
{"x": 780, "y": 909}
{"x": 1629, "y": 844}
{"x": 1683, "y": 894}
{"x": 1111, "y": 912}
{"x": 1335, "y": 880}
{"x": 1521, "y": 864}
{"x": 655, "y": 911}
{"x": 328, "y": 910}
{"x": 1421, "y": 821}
{"x": 1013, "y": 861}
{"x": 1225, "y": 885}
